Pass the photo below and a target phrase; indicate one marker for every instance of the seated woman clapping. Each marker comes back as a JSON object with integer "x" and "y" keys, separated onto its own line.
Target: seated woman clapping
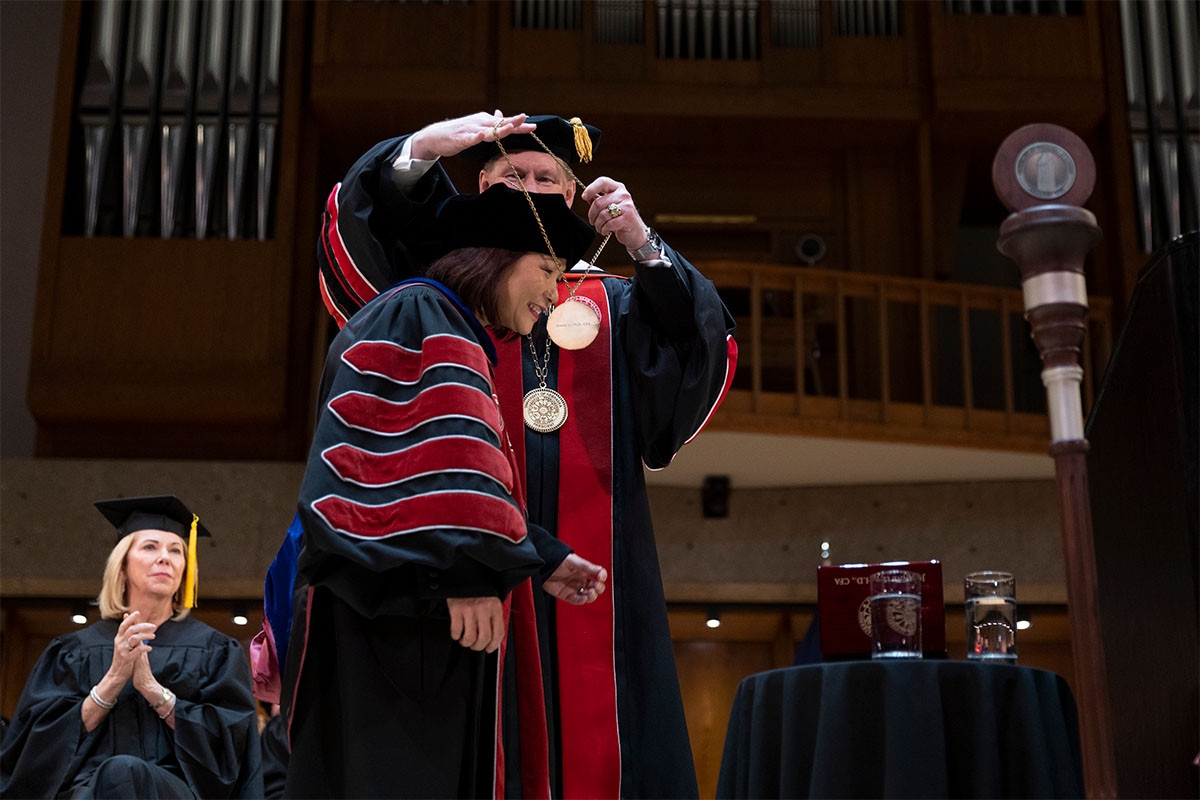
{"x": 146, "y": 702}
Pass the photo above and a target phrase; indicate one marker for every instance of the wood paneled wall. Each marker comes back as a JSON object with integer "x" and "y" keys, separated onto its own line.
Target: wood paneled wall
{"x": 206, "y": 349}
{"x": 185, "y": 348}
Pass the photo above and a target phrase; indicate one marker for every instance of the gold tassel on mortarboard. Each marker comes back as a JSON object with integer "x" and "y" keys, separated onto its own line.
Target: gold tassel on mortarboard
{"x": 189, "y": 588}
{"x": 583, "y": 142}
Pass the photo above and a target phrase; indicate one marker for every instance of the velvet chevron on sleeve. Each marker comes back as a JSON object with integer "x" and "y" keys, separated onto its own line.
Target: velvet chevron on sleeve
{"x": 372, "y": 232}
{"x": 409, "y": 495}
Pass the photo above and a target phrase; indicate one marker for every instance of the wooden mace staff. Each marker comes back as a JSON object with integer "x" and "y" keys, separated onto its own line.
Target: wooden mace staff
{"x": 1044, "y": 173}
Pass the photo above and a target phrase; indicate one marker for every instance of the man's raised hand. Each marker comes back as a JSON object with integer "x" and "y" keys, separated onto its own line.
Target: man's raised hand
{"x": 451, "y": 136}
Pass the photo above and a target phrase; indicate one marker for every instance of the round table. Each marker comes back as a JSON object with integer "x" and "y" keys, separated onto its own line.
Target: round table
{"x": 922, "y": 728}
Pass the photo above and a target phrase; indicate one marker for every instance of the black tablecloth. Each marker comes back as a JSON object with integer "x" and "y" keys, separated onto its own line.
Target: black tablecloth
{"x": 902, "y": 729}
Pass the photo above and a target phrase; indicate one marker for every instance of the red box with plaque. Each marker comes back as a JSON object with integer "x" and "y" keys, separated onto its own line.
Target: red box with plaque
{"x": 845, "y": 621}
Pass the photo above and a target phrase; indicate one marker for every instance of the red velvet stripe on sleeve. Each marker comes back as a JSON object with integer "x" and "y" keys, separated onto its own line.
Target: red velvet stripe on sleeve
{"x": 430, "y": 511}
{"x": 347, "y": 270}
{"x": 401, "y": 365}
{"x": 441, "y": 454}
{"x": 445, "y": 401}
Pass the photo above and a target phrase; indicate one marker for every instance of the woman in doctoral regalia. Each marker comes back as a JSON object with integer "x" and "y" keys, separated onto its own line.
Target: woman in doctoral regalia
{"x": 147, "y": 702}
{"x": 417, "y": 555}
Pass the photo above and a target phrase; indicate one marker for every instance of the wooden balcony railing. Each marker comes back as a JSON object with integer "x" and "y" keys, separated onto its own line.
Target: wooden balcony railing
{"x": 832, "y": 353}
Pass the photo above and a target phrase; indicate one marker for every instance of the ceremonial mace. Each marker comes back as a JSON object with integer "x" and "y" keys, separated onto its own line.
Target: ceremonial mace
{"x": 1044, "y": 174}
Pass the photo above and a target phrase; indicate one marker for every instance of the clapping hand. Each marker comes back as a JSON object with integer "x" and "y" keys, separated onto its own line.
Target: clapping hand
{"x": 130, "y": 645}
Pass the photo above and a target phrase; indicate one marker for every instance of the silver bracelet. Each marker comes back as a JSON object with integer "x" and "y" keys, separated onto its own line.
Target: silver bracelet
{"x": 100, "y": 701}
{"x": 167, "y": 694}
{"x": 170, "y": 710}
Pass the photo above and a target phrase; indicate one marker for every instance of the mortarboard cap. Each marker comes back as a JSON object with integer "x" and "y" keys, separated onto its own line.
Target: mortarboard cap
{"x": 159, "y": 513}
{"x": 571, "y": 142}
{"x": 500, "y": 217}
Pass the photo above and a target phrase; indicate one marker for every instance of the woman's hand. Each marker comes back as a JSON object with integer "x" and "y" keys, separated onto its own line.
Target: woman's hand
{"x": 144, "y": 680}
{"x": 125, "y": 665}
{"x": 151, "y": 690}
{"x": 129, "y": 645}
{"x": 477, "y": 622}
{"x": 576, "y": 581}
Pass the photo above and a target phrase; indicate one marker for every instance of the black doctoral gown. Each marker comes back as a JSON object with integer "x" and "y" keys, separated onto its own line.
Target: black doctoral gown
{"x": 213, "y": 752}
{"x": 275, "y": 755}
{"x": 410, "y": 496}
{"x": 657, "y": 372}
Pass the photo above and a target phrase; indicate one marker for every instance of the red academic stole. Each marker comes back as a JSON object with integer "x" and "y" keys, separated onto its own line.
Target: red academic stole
{"x": 521, "y": 620}
{"x": 531, "y": 706}
{"x": 591, "y": 746}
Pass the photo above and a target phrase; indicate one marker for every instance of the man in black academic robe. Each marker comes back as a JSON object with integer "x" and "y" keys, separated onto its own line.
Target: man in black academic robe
{"x": 656, "y": 373}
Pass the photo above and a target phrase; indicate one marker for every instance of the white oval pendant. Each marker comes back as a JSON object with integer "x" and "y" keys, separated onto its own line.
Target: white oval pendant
{"x": 573, "y": 325}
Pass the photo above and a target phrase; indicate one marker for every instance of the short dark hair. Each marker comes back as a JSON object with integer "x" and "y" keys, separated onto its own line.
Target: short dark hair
{"x": 473, "y": 273}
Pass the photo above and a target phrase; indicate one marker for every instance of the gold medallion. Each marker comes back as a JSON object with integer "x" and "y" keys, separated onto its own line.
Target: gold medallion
{"x": 545, "y": 410}
{"x": 573, "y": 325}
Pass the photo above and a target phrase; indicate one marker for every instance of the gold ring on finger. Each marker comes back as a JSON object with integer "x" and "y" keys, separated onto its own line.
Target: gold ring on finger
{"x": 614, "y": 210}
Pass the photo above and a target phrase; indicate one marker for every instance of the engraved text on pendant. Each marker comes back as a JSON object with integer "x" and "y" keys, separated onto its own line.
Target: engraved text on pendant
{"x": 573, "y": 325}
{"x": 545, "y": 410}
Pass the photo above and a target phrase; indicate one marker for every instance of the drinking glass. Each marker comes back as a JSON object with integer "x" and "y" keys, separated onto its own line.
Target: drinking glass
{"x": 895, "y": 603}
{"x": 991, "y": 607}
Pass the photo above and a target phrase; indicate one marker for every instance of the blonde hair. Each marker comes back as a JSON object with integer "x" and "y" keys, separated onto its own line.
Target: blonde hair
{"x": 113, "y": 589}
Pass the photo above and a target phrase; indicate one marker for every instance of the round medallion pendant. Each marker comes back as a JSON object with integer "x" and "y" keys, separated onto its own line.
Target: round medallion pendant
{"x": 573, "y": 325}
{"x": 545, "y": 410}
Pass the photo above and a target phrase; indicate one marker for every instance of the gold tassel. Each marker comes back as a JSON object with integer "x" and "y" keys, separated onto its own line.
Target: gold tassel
{"x": 189, "y": 589}
{"x": 583, "y": 142}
